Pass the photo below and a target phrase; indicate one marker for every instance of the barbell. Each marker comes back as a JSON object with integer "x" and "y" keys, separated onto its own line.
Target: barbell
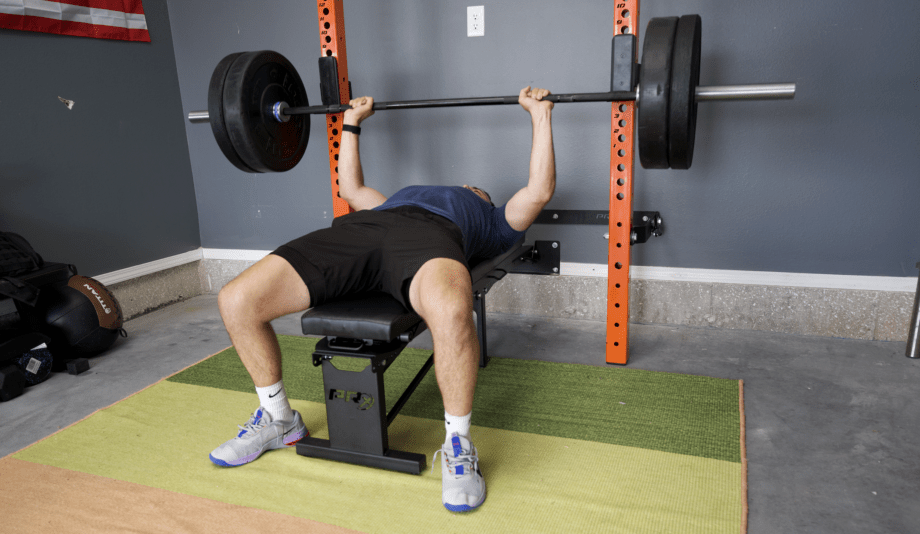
{"x": 259, "y": 111}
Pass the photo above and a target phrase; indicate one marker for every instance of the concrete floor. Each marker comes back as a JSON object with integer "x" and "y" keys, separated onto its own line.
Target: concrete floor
{"x": 833, "y": 425}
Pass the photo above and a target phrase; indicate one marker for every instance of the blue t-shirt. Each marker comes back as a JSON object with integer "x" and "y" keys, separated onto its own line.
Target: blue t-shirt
{"x": 486, "y": 232}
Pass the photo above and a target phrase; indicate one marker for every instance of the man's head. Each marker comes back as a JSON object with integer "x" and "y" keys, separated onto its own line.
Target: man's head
{"x": 480, "y": 193}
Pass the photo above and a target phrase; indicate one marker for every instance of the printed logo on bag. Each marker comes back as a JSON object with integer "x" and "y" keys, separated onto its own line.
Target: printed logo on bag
{"x": 106, "y": 307}
{"x": 99, "y": 298}
{"x": 363, "y": 400}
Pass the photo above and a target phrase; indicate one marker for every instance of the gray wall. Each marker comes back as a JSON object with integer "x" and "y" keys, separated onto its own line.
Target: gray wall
{"x": 108, "y": 184}
{"x": 239, "y": 210}
{"x": 826, "y": 183}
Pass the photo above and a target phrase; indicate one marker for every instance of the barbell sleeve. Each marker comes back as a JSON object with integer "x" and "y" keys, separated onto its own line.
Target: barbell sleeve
{"x": 198, "y": 116}
{"x": 764, "y": 91}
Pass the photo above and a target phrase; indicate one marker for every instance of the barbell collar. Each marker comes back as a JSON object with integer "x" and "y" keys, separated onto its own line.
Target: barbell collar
{"x": 278, "y": 112}
{"x": 712, "y": 93}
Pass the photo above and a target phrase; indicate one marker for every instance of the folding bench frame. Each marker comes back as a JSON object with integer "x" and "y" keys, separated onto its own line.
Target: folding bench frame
{"x": 375, "y": 326}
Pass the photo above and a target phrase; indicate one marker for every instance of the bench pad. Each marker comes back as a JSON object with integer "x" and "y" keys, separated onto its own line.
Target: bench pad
{"x": 374, "y": 315}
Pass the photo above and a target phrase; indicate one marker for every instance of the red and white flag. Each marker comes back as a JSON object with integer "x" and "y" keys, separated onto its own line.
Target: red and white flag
{"x": 102, "y": 19}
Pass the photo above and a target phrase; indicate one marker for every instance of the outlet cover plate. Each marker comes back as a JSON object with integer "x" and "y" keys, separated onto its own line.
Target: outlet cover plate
{"x": 475, "y": 21}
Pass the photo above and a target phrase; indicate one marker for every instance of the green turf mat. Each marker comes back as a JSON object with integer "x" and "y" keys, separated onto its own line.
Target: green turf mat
{"x": 683, "y": 414}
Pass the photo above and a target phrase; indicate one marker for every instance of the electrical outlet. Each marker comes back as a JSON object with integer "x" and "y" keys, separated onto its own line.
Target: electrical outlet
{"x": 475, "y": 21}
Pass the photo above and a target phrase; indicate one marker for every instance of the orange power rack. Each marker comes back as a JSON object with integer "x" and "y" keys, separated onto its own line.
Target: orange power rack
{"x": 331, "y": 16}
{"x": 622, "y": 159}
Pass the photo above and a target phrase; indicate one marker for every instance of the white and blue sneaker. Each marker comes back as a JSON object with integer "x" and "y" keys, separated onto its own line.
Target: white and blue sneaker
{"x": 462, "y": 486}
{"x": 258, "y": 435}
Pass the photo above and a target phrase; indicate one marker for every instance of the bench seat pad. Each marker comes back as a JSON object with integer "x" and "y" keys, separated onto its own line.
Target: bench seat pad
{"x": 374, "y": 315}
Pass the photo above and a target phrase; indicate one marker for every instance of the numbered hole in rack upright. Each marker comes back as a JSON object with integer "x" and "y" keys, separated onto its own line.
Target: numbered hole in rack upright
{"x": 621, "y": 153}
{"x": 622, "y": 108}
{"x": 620, "y": 196}
{"x": 335, "y": 132}
{"x": 335, "y": 144}
{"x": 329, "y": 53}
{"x": 328, "y": 39}
{"x": 625, "y": 13}
{"x": 325, "y": 11}
{"x": 326, "y": 25}
{"x": 624, "y": 30}
{"x": 335, "y": 119}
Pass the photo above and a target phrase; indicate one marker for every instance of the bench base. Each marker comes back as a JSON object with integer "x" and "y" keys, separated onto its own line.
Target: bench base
{"x": 403, "y": 462}
{"x": 356, "y": 406}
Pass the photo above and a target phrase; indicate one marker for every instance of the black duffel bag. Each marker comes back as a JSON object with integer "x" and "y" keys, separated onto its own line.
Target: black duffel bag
{"x": 18, "y": 257}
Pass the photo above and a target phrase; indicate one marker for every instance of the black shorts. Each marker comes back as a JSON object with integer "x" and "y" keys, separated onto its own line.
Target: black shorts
{"x": 372, "y": 251}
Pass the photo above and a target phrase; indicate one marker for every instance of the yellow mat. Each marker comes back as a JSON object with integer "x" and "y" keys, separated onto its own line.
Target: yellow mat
{"x": 161, "y": 437}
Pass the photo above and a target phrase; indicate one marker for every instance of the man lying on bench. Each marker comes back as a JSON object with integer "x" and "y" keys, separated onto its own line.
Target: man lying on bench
{"x": 416, "y": 246}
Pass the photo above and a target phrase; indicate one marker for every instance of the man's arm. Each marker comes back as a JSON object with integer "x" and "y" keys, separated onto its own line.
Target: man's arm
{"x": 351, "y": 176}
{"x": 524, "y": 207}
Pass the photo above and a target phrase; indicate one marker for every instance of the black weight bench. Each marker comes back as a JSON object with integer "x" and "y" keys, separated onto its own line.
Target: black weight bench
{"x": 377, "y": 327}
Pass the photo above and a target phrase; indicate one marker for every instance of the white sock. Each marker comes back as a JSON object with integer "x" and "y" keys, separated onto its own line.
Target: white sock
{"x": 457, "y": 423}
{"x": 274, "y": 399}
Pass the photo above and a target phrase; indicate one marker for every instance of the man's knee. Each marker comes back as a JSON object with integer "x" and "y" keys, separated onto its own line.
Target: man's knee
{"x": 447, "y": 305}
{"x": 231, "y": 300}
{"x": 241, "y": 297}
{"x": 442, "y": 287}
{"x": 269, "y": 289}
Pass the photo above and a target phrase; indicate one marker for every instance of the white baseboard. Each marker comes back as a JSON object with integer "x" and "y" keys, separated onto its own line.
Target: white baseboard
{"x": 714, "y": 276}
{"x": 144, "y": 269}
{"x": 230, "y": 254}
{"x": 752, "y": 278}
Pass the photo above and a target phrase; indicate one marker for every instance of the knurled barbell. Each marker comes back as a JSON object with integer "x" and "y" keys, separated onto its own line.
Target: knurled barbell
{"x": 259, "y": 111}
